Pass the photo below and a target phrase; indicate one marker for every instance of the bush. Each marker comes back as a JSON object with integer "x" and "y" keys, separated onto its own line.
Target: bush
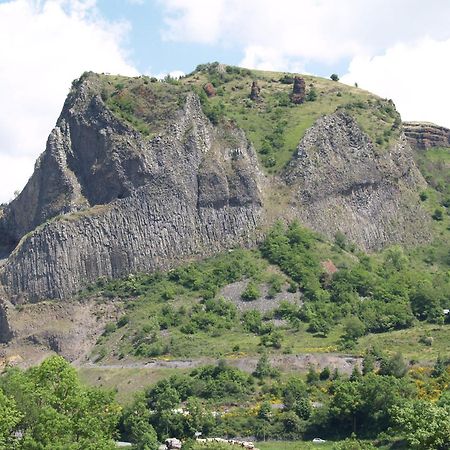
{"x": 334, "y": 77}
{"x": 311, "y": 96}
{"x": 110, "y": 328}
{"x": 287, "y": 79}
{"x": 123, "y": 321}
{"x": 251, "y": 292}
{"x": 438, "y": 214}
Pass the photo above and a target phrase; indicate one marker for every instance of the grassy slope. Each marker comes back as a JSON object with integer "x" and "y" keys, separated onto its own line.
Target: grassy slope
{"x": 144, "y": 308}
{"x": 435, "y": 167}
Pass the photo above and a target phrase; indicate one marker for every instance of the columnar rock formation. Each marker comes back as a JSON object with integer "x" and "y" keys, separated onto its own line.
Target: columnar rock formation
{"x": 123, "y": 204}
{"x": 298, "y": 91}
{"x": 339, "y": 181}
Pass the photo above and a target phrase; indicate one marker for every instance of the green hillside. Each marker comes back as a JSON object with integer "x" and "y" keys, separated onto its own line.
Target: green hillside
{"x": 298, "y": 338}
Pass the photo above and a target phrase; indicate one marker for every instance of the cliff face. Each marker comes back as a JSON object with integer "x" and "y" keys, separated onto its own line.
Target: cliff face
{"x": 426, "y": 135}
{"x": 106, "y": 201}
{"x": 130, "y": 204}
{"x": 341, "y": 182}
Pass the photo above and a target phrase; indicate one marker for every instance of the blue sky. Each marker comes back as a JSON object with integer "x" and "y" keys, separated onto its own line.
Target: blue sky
{"x": 398, "y": 49}
{"x": 150, "y": 52}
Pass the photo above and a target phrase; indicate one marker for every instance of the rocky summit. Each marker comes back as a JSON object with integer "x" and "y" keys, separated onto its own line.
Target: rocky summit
{"x": 140, "y": 175}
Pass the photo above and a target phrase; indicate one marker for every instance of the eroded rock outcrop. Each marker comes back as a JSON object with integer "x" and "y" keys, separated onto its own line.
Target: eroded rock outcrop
{"x": 341, "y": 182}
{"x": 255, "y": 91}
{"x": 5, "y": 330}
{"x": 107, "y": 201}
{"x": 129, "y": 204}
{"x": 209, "y": 89}
{"x": 422, "y": 135}
{"x": 298, "y": 91}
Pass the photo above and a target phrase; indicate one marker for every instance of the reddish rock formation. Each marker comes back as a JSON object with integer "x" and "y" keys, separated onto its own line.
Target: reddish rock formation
{"x": 423, "y": 135}
{"x": 298, "y": 91}
{"x": 209, "y": 89}
{"x": 254, "y": 94}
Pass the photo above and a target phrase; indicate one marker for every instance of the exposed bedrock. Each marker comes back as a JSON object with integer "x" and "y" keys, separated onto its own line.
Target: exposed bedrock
{"x": 341, "y": 182}
{"x": 129, "y": 204}
{"x": 422, "y": 135}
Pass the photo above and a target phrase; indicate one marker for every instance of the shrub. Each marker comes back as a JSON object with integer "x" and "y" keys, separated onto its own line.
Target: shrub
{"x": 110, "y": 328}
{"x": 123, "y": 321}
{"x": 438, "y": 214}
{"x": 251, "y": 292}
{"x": 311, "y": 96}
{"x": 334, "y": 77}
{"x": 287, "y": 79}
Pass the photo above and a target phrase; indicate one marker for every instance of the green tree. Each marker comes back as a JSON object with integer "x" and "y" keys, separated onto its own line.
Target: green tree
{"x": 293, "y": 391}
{"x": 424, "y": 425}
{"x": 368, "y": 364}
{"x": 395, "y": 366}
{"x": 346, "y": 403}
{"x": 135, "y": 422}
{"x": 58, "y": 412}
{"x": 265, "y": 411}
{"x": 334, "y": 77}
{"x": 10, "y": 417}
{"x": 198, "y": 418}
{"x": 263, "y": 367}
{"x": 354, "y": 328}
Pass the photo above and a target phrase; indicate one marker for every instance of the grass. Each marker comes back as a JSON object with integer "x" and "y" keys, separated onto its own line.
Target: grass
{"x": 149, "y": 300}
{"x": 407, "y": 342}
{"x": 125, "y": 381}
{"x": 260, "y": 120}
{"x": 435, "y": 167}
{"x": 293, "y": 445}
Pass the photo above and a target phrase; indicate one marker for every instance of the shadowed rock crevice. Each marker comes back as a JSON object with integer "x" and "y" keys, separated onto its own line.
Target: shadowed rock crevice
{"x": 5, "y": 331}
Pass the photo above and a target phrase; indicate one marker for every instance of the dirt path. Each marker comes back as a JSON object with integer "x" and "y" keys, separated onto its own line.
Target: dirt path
{"x": 290, "y": 363}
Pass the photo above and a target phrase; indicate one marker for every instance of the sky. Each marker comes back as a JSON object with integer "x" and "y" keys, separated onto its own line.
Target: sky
{"x": 398, "y": 49}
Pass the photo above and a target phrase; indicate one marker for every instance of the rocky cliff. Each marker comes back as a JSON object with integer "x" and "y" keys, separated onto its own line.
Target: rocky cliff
{"x": 122, "y": 203}
{"x": 422, "y": 135}
{"x": 107, "y": 200}
{"x": 341, "y": 181}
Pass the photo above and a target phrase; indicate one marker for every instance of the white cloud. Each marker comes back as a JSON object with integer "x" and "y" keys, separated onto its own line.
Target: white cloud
{"x": 44, "y": 45}
{"x": 14, "y": 173}
{"x": 415, "y": 76}
{"x": 308, "y": 30}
